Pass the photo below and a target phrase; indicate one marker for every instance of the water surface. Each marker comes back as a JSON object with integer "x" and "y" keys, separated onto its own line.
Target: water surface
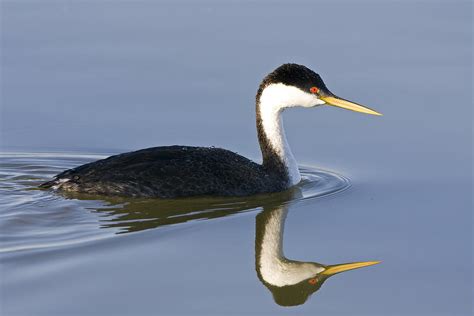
{"x": 39, "y": 219}
{"x": 100, "y": 77}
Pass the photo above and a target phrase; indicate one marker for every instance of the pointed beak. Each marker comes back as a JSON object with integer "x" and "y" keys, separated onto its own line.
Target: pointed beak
{"x": 348, "y": 105}
{"x": 337, "y": 268}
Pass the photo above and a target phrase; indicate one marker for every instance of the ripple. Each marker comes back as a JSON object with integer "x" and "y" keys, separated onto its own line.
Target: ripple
{"x": 35, "y": 219}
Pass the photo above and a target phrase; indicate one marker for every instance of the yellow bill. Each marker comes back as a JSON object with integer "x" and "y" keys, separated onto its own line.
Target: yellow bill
{"x": 348, "y": 105}
{"x": 337, "y": 268}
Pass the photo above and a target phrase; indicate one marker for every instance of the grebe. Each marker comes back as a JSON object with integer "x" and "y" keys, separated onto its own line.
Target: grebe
{"x": 291, "y": 282}
{"x": 184, "y": 171}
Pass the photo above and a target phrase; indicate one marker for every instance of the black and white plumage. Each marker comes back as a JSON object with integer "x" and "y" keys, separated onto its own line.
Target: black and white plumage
{"x": 183, "y": 171}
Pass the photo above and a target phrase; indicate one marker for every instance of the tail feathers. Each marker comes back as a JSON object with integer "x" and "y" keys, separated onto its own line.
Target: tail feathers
{"x": 55, "y": 183}
{"x": 48, "y": 184}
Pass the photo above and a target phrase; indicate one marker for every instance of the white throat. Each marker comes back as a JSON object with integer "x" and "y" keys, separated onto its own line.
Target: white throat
{"x": 275, "y": 269}
{"x": 273, "y": 100}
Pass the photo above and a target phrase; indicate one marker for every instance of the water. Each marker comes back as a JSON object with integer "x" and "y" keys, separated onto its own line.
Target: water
{"x": 38, "y": 219}
{"x": 101, "y": 78}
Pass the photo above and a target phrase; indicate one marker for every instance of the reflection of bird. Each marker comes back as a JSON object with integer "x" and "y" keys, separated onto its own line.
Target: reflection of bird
{"x": 132, "y": 215}
{"x": 180, "y": 171}
{"x": 291, "y": 282}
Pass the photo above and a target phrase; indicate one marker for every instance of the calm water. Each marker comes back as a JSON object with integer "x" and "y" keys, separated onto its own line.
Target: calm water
{"x": 84, "y": 79}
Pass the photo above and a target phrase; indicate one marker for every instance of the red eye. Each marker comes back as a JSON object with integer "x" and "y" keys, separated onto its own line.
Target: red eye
{"x": 312, "y": 281}
{"x": 314, "y": 90}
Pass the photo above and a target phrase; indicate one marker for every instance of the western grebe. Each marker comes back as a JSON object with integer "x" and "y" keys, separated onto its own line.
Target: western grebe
{"x": 183, "y": 171}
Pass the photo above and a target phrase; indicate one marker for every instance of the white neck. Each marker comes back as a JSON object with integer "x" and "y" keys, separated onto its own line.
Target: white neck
{"x": 274, "y": 99}
{"x": 274, "y": 268}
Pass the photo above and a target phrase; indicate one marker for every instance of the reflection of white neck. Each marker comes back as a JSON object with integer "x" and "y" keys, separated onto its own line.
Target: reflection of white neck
{"x": 274, "y": 268}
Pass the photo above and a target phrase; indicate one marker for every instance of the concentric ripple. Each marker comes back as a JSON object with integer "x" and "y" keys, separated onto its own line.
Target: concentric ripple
{"x": 32, "y": 219}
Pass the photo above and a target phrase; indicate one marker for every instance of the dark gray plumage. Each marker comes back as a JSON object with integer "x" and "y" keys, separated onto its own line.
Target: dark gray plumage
{"x": 170, "y": 172}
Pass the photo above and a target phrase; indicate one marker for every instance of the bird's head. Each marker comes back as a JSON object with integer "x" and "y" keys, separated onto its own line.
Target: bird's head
{"x": 312, "y": 275}
{"x": 293, "y": 85}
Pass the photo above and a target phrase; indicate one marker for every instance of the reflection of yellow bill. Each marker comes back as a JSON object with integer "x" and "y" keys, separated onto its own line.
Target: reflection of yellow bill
{"x": 348, "y": 105}
{"x": 337, "y": 268}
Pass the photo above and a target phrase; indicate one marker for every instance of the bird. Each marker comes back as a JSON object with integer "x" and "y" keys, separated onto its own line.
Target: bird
{"x": 176, "y": 171}
{"x": 291, "y": 282}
